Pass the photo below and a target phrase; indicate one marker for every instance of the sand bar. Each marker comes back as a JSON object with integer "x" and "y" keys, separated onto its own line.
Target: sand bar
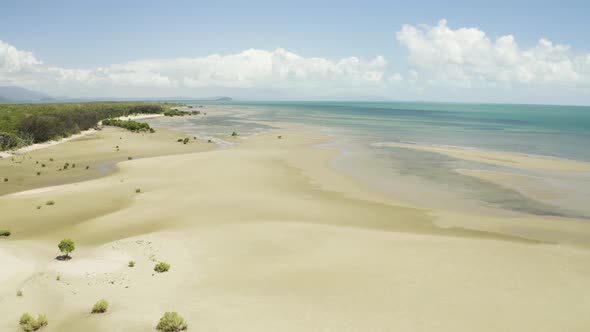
{"x": 508, "y": 159}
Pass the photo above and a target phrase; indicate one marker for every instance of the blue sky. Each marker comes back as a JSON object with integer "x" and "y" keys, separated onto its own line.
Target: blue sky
{"x": 85, "y": 35}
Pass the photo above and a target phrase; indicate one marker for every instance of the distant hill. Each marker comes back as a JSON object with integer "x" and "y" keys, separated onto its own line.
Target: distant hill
{"x": 18, "y": 95}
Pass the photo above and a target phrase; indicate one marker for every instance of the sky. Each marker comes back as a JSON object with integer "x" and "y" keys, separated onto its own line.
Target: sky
{"x": 457, "y": 51}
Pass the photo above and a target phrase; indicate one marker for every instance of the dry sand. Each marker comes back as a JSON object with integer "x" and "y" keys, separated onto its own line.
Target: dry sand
{"x": 265, "y": 236}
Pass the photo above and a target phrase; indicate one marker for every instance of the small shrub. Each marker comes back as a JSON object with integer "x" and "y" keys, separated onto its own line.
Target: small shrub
{"x": 66, "y": 246}
{"x": 42, "y": 165}
{"x": 184, "y": 141}
{"x": 179, "y": 140}
{"x": 100, "y": 307}
{"x": 41, "y": 321}
{"x": 131, "y": 264}
{"x": 5, "y": 179}
{"x": 162, "y": 267}
{"x": 137, "y": 191}
{"x": 152, "y": 130}
{"x": 58, "y": 278}
{"x": 87, "y": 167}
{"x": 209, "y": 141}
{"x": 73, "y": 165}
{"x": 38, "y": 207}
{"x": 25, "y": 318}
{"x": 50, "y": 159}
{"x": 50, "y": 203}
{"x": 19, "y": 293}
{"x": 129, "y": 158}
{"x": 171, "y": 322}
{"x": 4, "y": 232}
{"x": 38, "y": 173}
{"x": 234, "y": 134}
{"x": 28, "y": 323}
{"x": 279, "y": 137}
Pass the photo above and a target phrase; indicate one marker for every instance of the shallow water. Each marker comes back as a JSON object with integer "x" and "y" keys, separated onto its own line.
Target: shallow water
{"x": 422, "y": 177}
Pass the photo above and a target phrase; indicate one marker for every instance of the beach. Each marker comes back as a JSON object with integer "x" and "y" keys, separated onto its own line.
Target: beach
{"x": 265, "y": 235}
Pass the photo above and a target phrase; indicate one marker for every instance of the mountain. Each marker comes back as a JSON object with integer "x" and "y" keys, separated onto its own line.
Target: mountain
{"x": 18, "y": 95}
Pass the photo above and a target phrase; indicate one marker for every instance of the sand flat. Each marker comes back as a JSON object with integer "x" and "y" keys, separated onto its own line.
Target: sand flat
{"x": 507, "y": 159}
{"x": 265, "y": 236}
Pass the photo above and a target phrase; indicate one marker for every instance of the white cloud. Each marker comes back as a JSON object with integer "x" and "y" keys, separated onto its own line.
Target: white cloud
{"x": 278, "y": 69}
{"x": 13, "y": 60}
{"x": 466, "y": 57}
{"x": 462, "y": 64}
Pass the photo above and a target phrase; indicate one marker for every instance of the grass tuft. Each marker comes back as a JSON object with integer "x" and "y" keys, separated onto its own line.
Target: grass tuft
{"x": 171, "y": 322}
{"x": 100, "y": 307}
{"x": 162, "y": 267}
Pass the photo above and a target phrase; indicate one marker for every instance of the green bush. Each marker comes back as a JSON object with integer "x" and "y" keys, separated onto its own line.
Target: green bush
{"x": 171, "y": 322}
{"x": 25, "y": 318}
{"x": 4, "y": 232}
{"x": 173, "y": 112}
{"x": 162, "y": 267}
{"x": 28, "y": 323}
{"x": 137, "y": 191}
{"x": 5, "y": 179}
{"x": 66, "y": 246}
{"x": 50, "y": 203}
{"x": 131, "y": 264}
{"x": 41, "y": 321}
{"x": 184, "y": 141}
{"x": 10, "y": 141}
{"x": 100, "y": 307}
{"x": 19, "y": 293}
{"x": 133, "y": 126}
{"x": 234, "y": 134}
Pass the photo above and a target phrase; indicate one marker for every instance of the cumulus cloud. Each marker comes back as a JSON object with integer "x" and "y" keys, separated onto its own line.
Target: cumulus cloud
{"x": 462, "y": 64}
{"x": 253, "y": 68}
{"x": 466, "y": 57}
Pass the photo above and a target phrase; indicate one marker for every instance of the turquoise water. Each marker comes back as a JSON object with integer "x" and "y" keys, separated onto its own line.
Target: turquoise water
{"x": 359, "y": 127}
{"x": 560, "y": 131}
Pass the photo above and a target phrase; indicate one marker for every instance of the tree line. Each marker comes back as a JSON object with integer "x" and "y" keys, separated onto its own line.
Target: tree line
{"x": 22, "y": 125}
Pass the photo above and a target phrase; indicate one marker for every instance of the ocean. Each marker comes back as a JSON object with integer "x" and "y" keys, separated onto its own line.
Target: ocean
{"x": 362, "y": 130}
